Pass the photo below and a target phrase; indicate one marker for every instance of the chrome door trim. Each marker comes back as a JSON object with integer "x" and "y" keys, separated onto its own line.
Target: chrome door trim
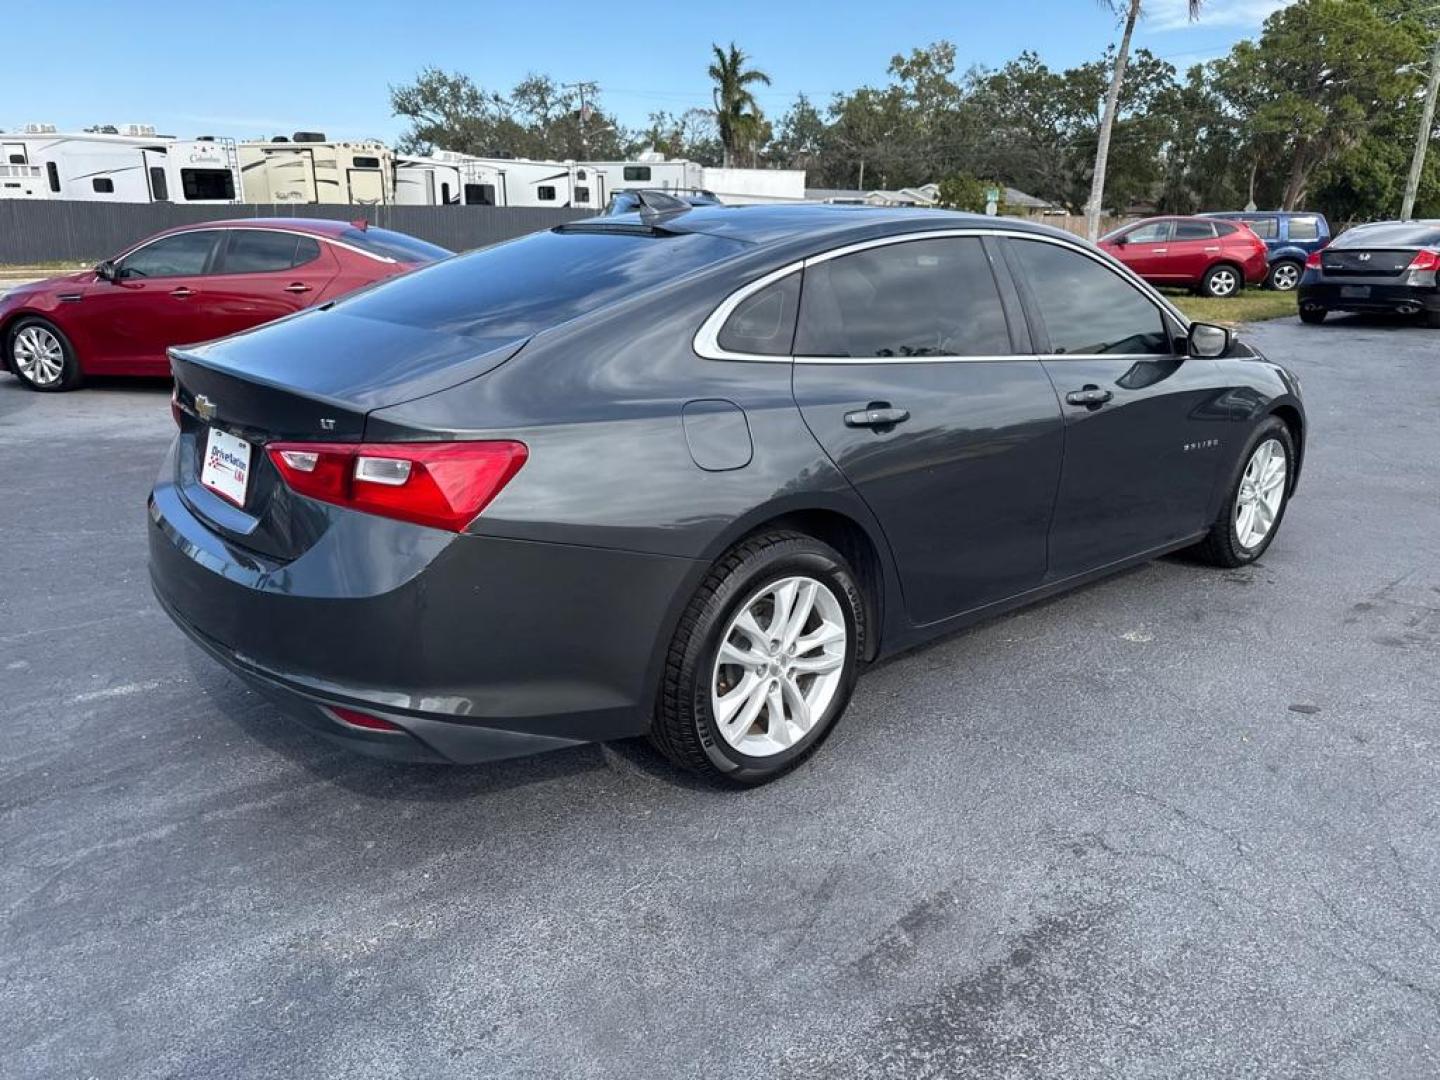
{"x": 706, "y": 342}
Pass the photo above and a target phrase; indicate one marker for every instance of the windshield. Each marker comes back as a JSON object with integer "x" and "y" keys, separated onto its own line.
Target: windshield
{"x": 517, "y": 289}
{"x": 394, "y": 245}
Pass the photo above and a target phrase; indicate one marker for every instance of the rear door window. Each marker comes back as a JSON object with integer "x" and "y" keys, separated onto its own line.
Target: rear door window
{"x": 917, "y": 298}
{"x": 262, "y": 251}
{"x": 1266, "y": 228}
{"x": 1086, "y": 308}
{"x": 1304, "y": 228}
{"x": 1194, "y": 230}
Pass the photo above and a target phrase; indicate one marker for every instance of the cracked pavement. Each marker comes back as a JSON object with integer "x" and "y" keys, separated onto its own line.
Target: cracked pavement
{"x": 1181, "y": 823}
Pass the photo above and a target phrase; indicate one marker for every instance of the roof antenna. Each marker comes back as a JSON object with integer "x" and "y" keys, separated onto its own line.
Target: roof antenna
{"x": 656, "y": 206}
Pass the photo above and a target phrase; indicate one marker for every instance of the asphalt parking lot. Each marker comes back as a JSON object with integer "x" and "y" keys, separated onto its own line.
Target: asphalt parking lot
{"x": 1182, "y": 823}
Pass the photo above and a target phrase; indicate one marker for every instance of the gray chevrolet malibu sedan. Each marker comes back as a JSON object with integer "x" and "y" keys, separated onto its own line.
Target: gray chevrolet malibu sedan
{"x": 683, "y": 473}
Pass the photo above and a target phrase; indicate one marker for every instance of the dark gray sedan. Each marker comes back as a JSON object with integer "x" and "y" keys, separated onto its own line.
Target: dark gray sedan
{"x": 683, "y": 474}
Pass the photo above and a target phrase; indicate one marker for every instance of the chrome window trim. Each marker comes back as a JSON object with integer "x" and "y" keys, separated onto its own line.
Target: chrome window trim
{"x": 255, "y": 228}
{"x": 706, "y": 342}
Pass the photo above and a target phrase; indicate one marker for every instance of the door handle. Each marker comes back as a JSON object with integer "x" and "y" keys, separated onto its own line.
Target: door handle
{"x": 876, "y": 415}
{"x": 298, "y": 287}
{"x": 1212, "y": 249}
{"x": 1092, "y": 397}
{"x": 182, "y": 292}
{"x": 1158, "y": 251}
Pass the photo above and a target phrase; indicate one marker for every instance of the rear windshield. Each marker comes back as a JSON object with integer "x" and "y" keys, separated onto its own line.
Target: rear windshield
{"x": 1392, "y": 234}
{"x": 517, "y": 289}
{"x": 394, "y": 245}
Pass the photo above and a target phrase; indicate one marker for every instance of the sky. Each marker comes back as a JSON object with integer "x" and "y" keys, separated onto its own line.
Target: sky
{"x": 260, "y": 68}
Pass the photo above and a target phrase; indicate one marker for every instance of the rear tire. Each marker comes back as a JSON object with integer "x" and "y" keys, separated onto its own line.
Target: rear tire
{"x": 1313, "y": 315}
{"x": 1432, "y": 319}
{"x": 1285, "y": 275}
{"x": 770, "y": 728}
{"x": 1233, "y": 539}
{"x": 41, "y": 356}
{"x": 1222, "y": 281}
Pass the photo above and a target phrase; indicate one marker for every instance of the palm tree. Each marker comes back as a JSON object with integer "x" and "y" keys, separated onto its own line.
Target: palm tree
{"x": 736, "y": 111}
{"x": 1112, "y": 105}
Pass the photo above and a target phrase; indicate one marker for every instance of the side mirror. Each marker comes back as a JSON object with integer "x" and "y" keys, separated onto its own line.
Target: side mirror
{"x": 106, "y": 271}
{"x": 1120, "y": 241}
{"x": 1208, "y": 341}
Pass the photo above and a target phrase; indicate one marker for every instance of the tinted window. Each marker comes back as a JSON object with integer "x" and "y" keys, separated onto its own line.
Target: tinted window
{"x": 1304, "y": 228}
{"x": 1087, "y": 308}
{"x": 1194, "y": 230}
{"x": 1222, "y": 229}
{"x": 764, "y": 323}
{"x": 17, "y": 159}
{"x": 367, "y": 163}
{"x": 207, "y": 184}
{"x": 479, "y": 194}
{"x": 510, "y": 291}
{"x": 159, "y": 189}
{"x": 918, "y": 298}
{"x": 260, "y": 251}
{"x": 582, "y": 194}
{"x": 445, "y": 194}
{"x": 53, "y": 172}
{"x": 1392, "y": 234}
{"x": 103, "y": 186}
{"x": 545, "y": 193}
{"x": 394, "y": 245}
{"x": 182, "y": 255}
{"x": 1157, "y": 232}
{"x": 1265, "y": 228}
{"x": 637, "y": 172}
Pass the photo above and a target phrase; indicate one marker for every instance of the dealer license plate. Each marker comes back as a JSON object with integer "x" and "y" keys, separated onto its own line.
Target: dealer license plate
{"x": 226, "y": 468}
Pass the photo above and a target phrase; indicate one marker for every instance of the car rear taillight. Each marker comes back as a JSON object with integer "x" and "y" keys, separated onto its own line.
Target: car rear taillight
{"x": 1425, "y": 259}
{"x": 1312, "y": 261}
{"x": 441, "y": 484}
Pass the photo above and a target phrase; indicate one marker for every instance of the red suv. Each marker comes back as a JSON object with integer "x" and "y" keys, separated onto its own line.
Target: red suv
{"x": 186, "y": 285}
{"x": 1216, "y": 258}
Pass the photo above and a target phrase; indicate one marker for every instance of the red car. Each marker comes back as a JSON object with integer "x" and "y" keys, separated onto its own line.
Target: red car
{"x": 1215, "y": 258}
{"x": 187, "y": 285}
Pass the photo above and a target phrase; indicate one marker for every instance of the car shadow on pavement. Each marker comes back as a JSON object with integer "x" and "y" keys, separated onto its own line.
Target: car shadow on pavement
{"x": 259, "y": 720}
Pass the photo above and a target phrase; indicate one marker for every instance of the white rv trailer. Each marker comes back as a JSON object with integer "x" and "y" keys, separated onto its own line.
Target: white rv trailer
{"x": 523, "y": 182}
{"x": 653, "y": 171}
{"x": 311, "y": 169}
{"x": 135, "y": 165}
{"x": 426, "y": 181}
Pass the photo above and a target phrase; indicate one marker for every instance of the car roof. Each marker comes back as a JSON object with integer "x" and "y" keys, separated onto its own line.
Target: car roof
{"x": 776, "y": 223}
{"x": 317, "y": 226}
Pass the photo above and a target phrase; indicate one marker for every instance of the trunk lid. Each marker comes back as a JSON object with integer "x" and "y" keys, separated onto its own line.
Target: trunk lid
{"x": 1365, "y": 262}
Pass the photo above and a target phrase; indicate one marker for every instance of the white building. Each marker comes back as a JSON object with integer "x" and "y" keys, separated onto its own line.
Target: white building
{"x": 136, "y": 165}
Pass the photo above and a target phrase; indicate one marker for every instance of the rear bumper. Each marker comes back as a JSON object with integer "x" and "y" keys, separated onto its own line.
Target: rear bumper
{"x": 1382, "y": 297}
{"x": 492, "y": 648}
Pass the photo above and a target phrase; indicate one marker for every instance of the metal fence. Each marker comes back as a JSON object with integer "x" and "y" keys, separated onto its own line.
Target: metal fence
{"x": 56, "y": 230}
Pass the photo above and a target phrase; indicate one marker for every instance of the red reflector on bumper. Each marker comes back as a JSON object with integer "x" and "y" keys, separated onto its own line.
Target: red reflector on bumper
{"x": 353, "y": 718}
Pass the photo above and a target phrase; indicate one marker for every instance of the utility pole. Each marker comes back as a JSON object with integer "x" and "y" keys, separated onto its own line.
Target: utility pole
{"x": 1422, "y": 140}
{"x": 584, "y": 88}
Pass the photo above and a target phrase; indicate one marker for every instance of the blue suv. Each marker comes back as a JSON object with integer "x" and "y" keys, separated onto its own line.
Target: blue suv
{"x": 1290, "y": 236}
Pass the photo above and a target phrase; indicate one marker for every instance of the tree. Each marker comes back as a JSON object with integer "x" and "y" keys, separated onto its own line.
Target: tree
{"x": 692, "y": 135}
{"x": 737, "y": 113}
{"x": 1112, "y": 104}
{"x": 961, "y": 191}
{"x": 539, "y": 118}
{"x": 1323, "y": 74}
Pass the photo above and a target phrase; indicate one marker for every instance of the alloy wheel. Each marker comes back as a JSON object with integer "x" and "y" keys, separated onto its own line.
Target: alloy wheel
{"x": 39, "y": 357}
{"x": 1222, "y": 282}
{"x": 1285, "y": 277}
{"x": 779, "y": 666}
{"x": 1262, "y": 490}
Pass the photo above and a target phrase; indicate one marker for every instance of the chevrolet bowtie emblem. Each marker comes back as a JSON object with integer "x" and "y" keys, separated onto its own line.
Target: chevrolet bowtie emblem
{"x": 204, "y": 407}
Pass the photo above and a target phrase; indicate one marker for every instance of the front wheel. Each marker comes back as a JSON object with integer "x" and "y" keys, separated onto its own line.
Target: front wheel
{"x": 1255, "y": 505}
{"x": 764, "y": 660}
{"x": 1221, "y": 281}
{"x": 41, "y": 356}
{"x": 1285, "y": 275}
